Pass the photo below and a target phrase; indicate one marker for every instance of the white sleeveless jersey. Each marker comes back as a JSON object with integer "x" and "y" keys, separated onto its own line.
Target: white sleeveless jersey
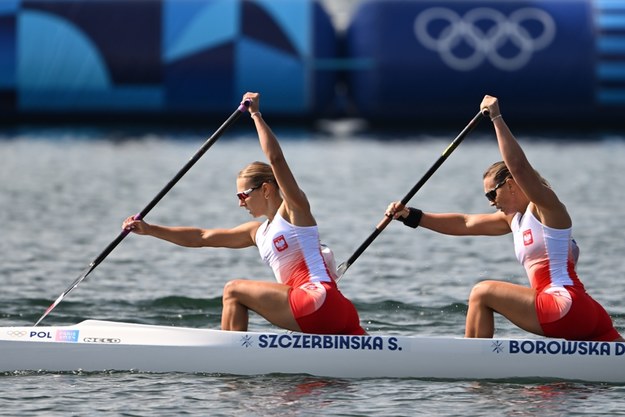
{"x": 545, "y": 253}
{"x": 292, "y": 252}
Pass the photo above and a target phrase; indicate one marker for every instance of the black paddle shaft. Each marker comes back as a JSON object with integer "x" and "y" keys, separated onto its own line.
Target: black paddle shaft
{"x": 387, "y": 219}
{"x": 196, "y": 157}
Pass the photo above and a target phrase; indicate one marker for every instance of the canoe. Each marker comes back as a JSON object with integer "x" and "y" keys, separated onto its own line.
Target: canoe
{"x": 94, "y": 345}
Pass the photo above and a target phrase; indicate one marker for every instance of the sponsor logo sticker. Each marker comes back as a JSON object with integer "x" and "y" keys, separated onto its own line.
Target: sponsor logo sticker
{"x": 101, "y": 340}
{"x": 497, "y": 346}
{"x": 67, "y": 335}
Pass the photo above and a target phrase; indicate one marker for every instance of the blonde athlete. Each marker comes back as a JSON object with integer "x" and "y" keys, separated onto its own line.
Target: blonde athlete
{"x": 556, "y": 303}
{"x": 306, "y": 297}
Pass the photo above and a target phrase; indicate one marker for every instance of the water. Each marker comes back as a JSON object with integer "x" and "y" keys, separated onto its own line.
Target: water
{"x": 65, "y": 192}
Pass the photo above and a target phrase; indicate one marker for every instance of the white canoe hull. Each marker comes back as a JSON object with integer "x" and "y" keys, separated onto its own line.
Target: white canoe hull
{"x": 101, "y": 345}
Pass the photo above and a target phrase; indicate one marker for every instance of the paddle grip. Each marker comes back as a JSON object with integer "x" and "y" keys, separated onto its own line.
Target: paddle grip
{"x": 245, "y": 105}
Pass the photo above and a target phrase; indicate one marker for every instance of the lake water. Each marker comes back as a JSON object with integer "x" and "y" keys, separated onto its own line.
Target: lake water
{"x": 65, "y": 192}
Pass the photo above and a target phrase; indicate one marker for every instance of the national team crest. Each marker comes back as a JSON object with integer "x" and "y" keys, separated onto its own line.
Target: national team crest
{"x": 528, "y": 239}
{"x": 280, "y": 243}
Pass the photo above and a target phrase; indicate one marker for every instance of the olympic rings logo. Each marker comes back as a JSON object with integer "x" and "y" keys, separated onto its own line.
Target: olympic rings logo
{"x": 486, "y": 32}
{"x": 16, "y": 333}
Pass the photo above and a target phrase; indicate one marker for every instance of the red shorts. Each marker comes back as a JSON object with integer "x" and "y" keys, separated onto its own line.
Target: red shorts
{"x": 583, "y": 318}
{"x": 320, "y": 308}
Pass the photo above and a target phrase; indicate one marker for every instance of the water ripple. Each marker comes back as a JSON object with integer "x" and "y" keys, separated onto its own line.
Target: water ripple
{"x": 65, "y": 193}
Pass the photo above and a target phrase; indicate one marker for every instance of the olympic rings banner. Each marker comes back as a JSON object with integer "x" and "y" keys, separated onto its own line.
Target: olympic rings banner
{"x": 436, "y": 58}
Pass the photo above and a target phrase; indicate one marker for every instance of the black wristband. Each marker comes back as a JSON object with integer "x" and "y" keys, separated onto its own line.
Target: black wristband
{"x": 413, "y": 218}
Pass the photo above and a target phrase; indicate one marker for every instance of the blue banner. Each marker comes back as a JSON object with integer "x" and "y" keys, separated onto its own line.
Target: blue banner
{"x": 432, "y": 59}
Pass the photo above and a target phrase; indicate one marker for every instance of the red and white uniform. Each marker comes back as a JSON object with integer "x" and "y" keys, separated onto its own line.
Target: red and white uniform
{"x": 294, "y": 255}
{"x": 564, "y": 308}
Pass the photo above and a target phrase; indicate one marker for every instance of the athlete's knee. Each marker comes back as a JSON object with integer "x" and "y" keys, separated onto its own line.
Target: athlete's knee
{"x": 480, "y": 292}
{"x": 233, "y": 289}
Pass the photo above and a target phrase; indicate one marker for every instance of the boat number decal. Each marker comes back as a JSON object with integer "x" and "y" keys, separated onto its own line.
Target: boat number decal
{"x": 314, "y": 341}
{"x": 560, "y": 347}
{"x": 58, "y": 336}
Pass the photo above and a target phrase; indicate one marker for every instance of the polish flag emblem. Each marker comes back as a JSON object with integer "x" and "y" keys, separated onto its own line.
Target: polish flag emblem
{"x": 528, "y": 239}
{"x": 280, "y": 243}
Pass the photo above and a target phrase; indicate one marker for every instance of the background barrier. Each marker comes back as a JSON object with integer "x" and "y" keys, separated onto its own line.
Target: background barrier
{"x": 549, "y": 61}
{"x": 397, "y": 60}
{"x": 163, "y": 57}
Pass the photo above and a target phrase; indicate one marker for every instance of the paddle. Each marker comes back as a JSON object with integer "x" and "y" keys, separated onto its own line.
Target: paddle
{"x": 387, "y": 219}
{"x": 209, "y": 142}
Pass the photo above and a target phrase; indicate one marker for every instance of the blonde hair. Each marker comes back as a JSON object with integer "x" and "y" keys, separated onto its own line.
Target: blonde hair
{"x": 500, "y": 172}
{"x": 258, "y": 173}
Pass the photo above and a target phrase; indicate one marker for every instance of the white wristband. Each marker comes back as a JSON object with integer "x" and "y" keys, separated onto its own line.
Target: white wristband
{"x": 256, "y": 113}
{"x": 496, "y": 117}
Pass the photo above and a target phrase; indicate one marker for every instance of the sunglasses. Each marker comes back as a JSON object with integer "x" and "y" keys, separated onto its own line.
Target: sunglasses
{"x": 492, "y": 194}
{"x": 243, "y": 195}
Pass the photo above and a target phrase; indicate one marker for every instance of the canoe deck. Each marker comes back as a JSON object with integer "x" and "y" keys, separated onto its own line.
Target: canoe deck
{"x": 94, "y": 345}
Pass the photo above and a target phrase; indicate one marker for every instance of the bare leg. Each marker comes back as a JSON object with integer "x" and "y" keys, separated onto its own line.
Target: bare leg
{"x": 270, "y": 300}
{"x": 515, "y": 302}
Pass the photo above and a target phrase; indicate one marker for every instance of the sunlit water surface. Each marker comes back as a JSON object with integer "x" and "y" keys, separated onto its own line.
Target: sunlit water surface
{"x": 64, "y": 194}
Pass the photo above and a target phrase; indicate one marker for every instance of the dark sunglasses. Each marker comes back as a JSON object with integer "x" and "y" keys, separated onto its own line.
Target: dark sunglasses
{"x": 243, "y": 195}
{"x": 492, "y": 194}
